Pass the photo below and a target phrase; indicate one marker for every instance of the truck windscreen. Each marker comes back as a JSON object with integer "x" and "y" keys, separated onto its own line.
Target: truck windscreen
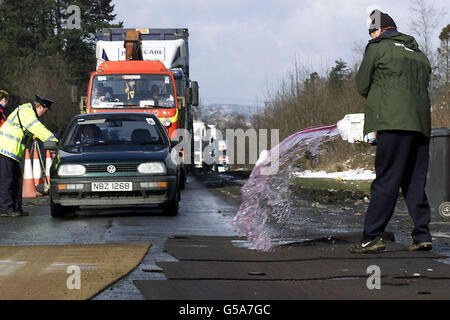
{"x": 132, "y": 90}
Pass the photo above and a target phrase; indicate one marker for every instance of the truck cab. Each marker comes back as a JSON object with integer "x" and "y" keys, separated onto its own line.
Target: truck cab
{"x": 148, "y": 87}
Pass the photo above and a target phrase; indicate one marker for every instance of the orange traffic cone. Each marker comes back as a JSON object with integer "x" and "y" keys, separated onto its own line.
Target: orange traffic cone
{"x": 37, "y": 171}
{"x": 28, "y": 190}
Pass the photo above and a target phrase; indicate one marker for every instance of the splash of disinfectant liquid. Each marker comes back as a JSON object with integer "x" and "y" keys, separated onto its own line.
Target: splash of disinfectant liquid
{"x": 266, "y": 198}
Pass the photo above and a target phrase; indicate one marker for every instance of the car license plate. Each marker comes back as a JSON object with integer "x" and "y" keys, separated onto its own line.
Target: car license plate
{"x": 112, "y": 186}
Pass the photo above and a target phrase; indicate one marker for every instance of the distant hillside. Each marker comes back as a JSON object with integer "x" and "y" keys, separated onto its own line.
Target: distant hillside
{"x": 227, "y": 109}
{"x": 222, "y": 115}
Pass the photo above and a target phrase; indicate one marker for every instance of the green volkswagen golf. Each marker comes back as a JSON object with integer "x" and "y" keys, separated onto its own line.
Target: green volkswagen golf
{"x": 114, "y": 158}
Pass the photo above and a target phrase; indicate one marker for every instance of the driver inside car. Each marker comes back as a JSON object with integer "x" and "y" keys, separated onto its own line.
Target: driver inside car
{"x": 91, "y": 133}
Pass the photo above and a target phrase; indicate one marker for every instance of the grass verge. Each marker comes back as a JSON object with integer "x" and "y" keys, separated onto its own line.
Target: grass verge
{"x": 331, "y": 190}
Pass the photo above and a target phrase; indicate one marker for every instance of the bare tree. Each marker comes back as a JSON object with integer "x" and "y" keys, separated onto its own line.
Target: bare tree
{"x": 358, "y": 49}
{"x": 425, "y": 20}
{"x": 441, "y": 110}
{"x": 443, "y": 52}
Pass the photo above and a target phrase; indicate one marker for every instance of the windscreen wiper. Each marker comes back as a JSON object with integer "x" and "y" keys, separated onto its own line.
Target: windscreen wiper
{"x": 96, "y": 143}
{"x": 147, "y": 142}
{"x": 122, "y": 105}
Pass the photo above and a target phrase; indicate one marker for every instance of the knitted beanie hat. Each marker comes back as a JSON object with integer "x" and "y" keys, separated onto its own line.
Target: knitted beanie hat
{"x": 380, "y": 20}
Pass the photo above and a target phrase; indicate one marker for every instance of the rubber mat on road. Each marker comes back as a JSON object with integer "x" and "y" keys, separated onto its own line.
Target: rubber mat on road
{"x": 224, "y": 249}
{"x": 222, "y": 268}
{"x": 208, "y": 239}
{"x": 341, "y": 289}
{"x": 65, "y": 271}
{"x": 303, "y": 270}
{"x": 309, "y": 239}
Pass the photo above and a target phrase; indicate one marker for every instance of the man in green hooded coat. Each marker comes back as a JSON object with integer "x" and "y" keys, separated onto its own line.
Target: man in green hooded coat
{"x": 394, "y": 78}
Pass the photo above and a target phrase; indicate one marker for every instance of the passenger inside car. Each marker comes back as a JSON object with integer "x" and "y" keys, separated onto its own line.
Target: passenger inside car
{"x": 141, "y": 136}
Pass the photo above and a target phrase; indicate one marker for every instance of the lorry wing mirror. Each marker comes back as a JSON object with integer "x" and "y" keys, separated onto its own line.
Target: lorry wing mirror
{"x": 83, "y": 104}
{"x": 194, "y": 93}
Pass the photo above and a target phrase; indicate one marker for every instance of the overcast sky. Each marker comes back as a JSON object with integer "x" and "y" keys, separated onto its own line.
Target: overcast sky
{"x": 241, "y": 49}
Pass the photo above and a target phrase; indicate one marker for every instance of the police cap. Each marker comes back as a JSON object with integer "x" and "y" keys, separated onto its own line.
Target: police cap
{"x": 46, "y": 103}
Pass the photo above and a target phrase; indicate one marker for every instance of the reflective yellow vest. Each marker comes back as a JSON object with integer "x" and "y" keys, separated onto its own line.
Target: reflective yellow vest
{"x": 18, "y": 130}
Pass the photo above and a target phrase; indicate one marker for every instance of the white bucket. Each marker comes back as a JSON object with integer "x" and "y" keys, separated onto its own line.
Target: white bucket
{"x": 351, "y": 129}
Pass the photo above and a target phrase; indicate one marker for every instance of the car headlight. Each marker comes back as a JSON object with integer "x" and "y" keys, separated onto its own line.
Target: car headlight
{"x": 152, "y": 168}
{"x": 71, "y": 170}
{"x": 166, "y": 122}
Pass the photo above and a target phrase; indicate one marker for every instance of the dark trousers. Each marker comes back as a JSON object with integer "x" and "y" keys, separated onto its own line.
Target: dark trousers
{"x": 401, "y": 162}
{"x": 10, "y": 185}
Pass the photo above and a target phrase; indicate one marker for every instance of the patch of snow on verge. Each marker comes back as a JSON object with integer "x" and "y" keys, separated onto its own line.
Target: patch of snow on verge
{"x": 356, "y": 174}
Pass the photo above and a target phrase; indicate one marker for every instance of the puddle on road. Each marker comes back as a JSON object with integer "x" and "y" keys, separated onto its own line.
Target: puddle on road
{"x": 274, "y": 242}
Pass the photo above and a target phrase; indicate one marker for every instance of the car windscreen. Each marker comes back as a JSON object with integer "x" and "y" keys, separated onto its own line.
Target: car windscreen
{"x": 115, "y": 130}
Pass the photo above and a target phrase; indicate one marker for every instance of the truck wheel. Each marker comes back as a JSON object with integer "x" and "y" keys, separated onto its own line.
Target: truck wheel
{"x": 170, "y": 208}
{"x": 444, "y": 210}
{"x": 57, "y": 210}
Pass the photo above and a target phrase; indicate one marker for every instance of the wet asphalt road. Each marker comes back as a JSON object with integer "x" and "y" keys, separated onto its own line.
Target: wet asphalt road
{"x": 201, "y": 213}
{"x": 207, "y": 207}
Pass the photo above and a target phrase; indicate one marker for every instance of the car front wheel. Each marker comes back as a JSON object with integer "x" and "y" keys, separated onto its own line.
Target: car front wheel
{"x": 170, "y": 208}
{"x": 57, "y": 210}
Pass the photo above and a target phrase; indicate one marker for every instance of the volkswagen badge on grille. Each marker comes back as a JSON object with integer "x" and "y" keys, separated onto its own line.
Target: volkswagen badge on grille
{"x": 111, "y": 169}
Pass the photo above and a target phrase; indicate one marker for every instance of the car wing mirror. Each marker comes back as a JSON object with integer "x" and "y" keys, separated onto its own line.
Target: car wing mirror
{"x": 50, "y": 145}
{"x": 175, "y": 141}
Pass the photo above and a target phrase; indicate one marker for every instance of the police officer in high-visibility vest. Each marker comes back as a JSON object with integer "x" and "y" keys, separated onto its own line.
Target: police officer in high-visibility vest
{"x": 18, "y": 131}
